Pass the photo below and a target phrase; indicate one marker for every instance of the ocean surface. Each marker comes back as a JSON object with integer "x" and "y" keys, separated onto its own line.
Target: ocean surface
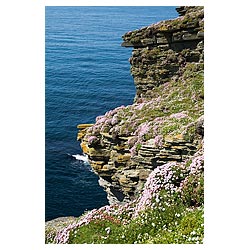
{"x": 87, "y": 74}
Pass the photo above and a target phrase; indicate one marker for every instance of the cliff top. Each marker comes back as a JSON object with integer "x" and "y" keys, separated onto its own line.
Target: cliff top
{"x": 190, "y": 18}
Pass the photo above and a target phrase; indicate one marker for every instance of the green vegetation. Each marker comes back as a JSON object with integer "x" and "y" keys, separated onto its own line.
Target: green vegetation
{"x": 162, "y": 225}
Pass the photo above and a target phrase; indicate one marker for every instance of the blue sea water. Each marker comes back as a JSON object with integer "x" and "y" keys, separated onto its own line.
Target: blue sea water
{"x": 87, "y": 73}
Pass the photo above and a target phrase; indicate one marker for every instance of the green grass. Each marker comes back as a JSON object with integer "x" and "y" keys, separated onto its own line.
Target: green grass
{"x": 188, "y": 230}
{"x": 162, "y": 225}
{"x": 177, "y": 222}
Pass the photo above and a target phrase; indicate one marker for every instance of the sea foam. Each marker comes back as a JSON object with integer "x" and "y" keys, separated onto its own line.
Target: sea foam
{"x": 81, "y": 157}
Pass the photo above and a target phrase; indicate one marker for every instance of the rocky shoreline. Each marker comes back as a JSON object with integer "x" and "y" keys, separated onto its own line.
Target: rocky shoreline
{"x": 123, "y": 151}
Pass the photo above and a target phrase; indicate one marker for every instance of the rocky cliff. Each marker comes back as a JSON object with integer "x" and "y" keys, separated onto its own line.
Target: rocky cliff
{"x": 165, "y": 122}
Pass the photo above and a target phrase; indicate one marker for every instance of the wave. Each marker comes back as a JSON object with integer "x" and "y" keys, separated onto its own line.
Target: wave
{"x": 81, "y": 157}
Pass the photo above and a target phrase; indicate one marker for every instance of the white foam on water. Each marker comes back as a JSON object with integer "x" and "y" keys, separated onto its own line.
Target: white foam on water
{"x": 81, "y": 157}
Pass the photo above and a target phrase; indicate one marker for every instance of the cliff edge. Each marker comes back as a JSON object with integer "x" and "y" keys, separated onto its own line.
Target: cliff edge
{"x": 165, "y": 122}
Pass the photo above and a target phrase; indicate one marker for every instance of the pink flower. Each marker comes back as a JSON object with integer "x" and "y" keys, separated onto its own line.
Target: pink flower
{"x": 114, "y": 120}
{"x": 159, "y": 140}
{"x": 166, "y": 84}
{"x": 140, "y": 106}
{"x": 179, "y": 115}
{"x": 100, "y": 119}
{"x": 92, "y": 139}
{"x": 133, "y": 151}
{"x": 143, "y": 129}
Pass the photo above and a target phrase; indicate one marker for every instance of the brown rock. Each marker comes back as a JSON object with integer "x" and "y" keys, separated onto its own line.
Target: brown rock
{"x": 82, "y": 126}
{"x": 143, "y": 174}
{"x": 85, "y": 148}
{"x": 123, "y": 158}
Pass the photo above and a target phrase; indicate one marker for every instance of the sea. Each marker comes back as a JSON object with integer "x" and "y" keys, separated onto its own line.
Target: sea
{"x": 87, "y": 73}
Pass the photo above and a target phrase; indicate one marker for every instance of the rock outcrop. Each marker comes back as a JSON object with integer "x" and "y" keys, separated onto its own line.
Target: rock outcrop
{"x": 165, "y": 122}
{"x": 162, "y": 49}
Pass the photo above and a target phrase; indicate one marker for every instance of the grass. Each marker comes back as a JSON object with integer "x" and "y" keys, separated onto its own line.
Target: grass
{"x": 161, "y": 225}
{"x": 188, "y": 230}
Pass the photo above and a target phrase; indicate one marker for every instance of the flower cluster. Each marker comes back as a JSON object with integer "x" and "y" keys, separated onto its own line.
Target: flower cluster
{"x": 179, "y": 115}
{"x": 172, "y": 177}
{"x": 165, "y": 177}
{"x": 143, "y": 129}
{"x": 106, "y": 121}
{"x": 197, "y": 163}
{"x": 158, "y": 141}
{"x": 192, "y": 187}
{"x": 92, "y": 140}
{"x": 115, "y": 213}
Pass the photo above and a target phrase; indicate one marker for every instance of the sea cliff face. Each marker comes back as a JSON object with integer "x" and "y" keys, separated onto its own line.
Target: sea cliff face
{"x": 165, "y": 122}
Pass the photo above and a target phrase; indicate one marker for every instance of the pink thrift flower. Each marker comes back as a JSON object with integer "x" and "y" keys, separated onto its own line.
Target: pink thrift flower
{"x": 143, "y": 129}
{"x": 92, "y": 139}
{"x": 179, "y": 115}
{"x": 158, "y": 140}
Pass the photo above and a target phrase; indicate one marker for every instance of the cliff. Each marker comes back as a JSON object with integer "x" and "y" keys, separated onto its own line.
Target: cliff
{"x": 165, "y": 122}
{"x": 149, "y": 155}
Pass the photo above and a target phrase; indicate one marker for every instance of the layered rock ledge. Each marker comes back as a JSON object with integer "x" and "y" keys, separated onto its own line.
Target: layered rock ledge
{"x": 165, "y": 122}
{"x": 162, "y": 49}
